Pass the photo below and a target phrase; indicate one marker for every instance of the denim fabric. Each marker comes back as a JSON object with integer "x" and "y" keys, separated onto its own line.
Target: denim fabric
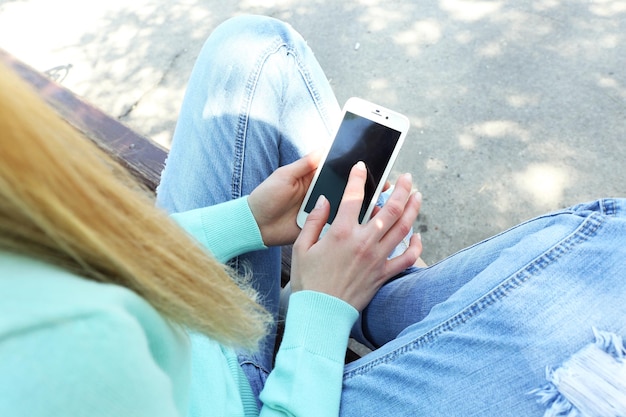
{"x": 256, "y": 99}
{"x": 470, "y": 335}
{"x": 474, "y": 334}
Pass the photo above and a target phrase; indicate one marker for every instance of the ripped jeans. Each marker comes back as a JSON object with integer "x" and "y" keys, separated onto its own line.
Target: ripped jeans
{"x": 505, "y": 327}
{"x": 479, "y": 332}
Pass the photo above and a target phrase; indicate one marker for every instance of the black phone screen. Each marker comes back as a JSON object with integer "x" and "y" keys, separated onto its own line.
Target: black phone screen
{"x": 358, "y": 139}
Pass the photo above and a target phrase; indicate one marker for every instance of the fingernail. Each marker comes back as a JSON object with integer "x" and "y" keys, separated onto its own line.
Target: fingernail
{"x": 418, "y": 196}
{"x": 360, "y": 165}
{"x": 408, "y": 176}
{"x": 321, "y": 200}
{"x": 419, "y": 236}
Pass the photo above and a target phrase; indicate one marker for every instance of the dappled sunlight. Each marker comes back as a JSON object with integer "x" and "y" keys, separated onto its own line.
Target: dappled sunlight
{"x": 281, "y": 9}
{"x": 379, "y": 84}
{"x": 381, "y": 87}
{"x": 380, "y": 18}
{"x": 556, "y": 150}
{"x": 523, "y": 26}
{"x": 521, "y": 100}
{"x": 607, "y": 8}
{"x": 377, "y": 15}
{"x": 470, "y": 10}
{"x": 118, "y": 53}
{"x": 266, "y": 4}
{"x": 607, "y": 82}
{"x": 494, "y": 129}
{"x": 421, "y": 34}
{"x": 546, "y": 5}
{"x": 536, "y": 188}
{"x": 612, "y": 85}
{"x": 590, "y": 46}
{"x": 436, "y": 164}
{"x": 378, "y": 223}
{"x": 543, "y": 184}
{"x": 492, "y": 49}
{"x": 515, "y": 107}
{"x": 464, "y": 37}
{"x": 418, "y": 124}
{"x": 609, "y": 41}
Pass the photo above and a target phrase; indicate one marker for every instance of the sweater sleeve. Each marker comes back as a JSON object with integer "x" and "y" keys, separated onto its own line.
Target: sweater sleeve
{"x": 307, "y": 378}
{"x": 226, "y": 229}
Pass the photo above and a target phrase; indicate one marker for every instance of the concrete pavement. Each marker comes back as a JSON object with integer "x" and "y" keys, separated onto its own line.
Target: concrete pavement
{"x": 517, "y": 107}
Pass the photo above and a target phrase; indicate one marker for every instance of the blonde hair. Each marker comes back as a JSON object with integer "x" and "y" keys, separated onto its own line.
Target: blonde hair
{"x": 65, "y": 202}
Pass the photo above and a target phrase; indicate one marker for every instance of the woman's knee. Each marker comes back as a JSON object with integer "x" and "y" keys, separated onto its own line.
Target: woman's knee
{"x": 247, "y": 37}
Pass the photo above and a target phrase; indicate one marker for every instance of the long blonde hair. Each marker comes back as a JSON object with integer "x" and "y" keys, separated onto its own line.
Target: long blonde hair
{"x": 64, "y": 201}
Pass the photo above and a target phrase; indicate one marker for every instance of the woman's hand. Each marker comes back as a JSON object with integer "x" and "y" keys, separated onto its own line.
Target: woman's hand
{"x": 350, "y": 260}
{"x": 276, "y": 201}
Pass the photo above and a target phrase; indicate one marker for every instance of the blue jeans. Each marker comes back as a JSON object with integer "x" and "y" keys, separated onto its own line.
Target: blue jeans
{"x": 470, "y": 335}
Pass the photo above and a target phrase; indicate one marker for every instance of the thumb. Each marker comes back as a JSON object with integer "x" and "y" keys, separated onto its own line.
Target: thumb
{"x": 315, "y": 222}
{"x": 305, "y": 165}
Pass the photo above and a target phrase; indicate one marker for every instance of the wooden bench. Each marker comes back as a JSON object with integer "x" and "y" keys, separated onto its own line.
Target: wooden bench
{"x": 143, "y": 157}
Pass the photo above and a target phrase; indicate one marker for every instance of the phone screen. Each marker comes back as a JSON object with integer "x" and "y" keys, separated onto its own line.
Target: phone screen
{"x": 358, "y": 139}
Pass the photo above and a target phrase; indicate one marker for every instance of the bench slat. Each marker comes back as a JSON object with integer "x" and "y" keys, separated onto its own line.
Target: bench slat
{"x": 140, "y": 155}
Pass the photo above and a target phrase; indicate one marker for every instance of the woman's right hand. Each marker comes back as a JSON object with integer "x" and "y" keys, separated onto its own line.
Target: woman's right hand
{"x": 350, "y": 261}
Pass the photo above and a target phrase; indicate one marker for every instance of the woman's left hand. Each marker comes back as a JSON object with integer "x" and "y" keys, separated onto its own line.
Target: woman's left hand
{"x": 276, "y": 201}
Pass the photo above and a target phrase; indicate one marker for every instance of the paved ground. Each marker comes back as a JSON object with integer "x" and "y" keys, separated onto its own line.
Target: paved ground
{"x": 517, "y": 107}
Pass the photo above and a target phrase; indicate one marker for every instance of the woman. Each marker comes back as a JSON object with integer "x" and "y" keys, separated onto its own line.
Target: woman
{"x": 159, "y": 327}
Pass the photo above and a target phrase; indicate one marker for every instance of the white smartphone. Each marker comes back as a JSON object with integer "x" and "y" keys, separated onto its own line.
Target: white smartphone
{"x": 368, "y": 133}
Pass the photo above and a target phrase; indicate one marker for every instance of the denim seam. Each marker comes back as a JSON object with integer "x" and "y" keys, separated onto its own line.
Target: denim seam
{"x": 255, "y": 363}
{"x": 242, "y": 128}
{"x": 609, "y": 207}
{"x": 242, "y": 125}
{"x": 587, "y": 229}
{"x": 315, "y": 95}
{"x": 545, "y": 216}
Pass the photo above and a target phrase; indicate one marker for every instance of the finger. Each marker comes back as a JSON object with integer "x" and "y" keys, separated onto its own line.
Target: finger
{"x": 406, "y": 259}
{"x": 375, "y": 210}
{"x": 386, "y": 186}
{"x": 315, "y": 222}
{"x": 394, "y": 207}
{"x": 305, "y": 165}
{"x": 403, "y": 226}
{"x": 353, "y": 195}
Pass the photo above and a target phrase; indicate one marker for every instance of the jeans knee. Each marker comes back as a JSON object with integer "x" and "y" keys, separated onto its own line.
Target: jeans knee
{"x": 240, "y": 45}
{"x": 590, "y": 383}
{"x": 251, "y": 30}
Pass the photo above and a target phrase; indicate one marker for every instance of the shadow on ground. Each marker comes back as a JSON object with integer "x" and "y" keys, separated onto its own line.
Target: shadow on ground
{"x": 517, "y": 108}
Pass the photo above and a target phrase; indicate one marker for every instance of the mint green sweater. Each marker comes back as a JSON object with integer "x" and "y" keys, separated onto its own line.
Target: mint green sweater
{"x": 73, "y": 347}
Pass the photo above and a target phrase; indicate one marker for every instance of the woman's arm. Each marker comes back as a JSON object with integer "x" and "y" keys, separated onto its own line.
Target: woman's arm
{"x": 334, "y": 277}
{"x": 308, "y": 374}
{"x": 265, "y": 218}
{"x": 226, "y": 230}
{"x": 351, "y": 261}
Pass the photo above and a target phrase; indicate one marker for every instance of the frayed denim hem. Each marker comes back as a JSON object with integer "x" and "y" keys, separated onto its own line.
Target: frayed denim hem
{"x": 591, "y": 383}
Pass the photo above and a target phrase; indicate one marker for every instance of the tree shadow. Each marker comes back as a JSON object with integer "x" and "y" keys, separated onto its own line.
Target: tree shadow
{"x": 517, "y": 108}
